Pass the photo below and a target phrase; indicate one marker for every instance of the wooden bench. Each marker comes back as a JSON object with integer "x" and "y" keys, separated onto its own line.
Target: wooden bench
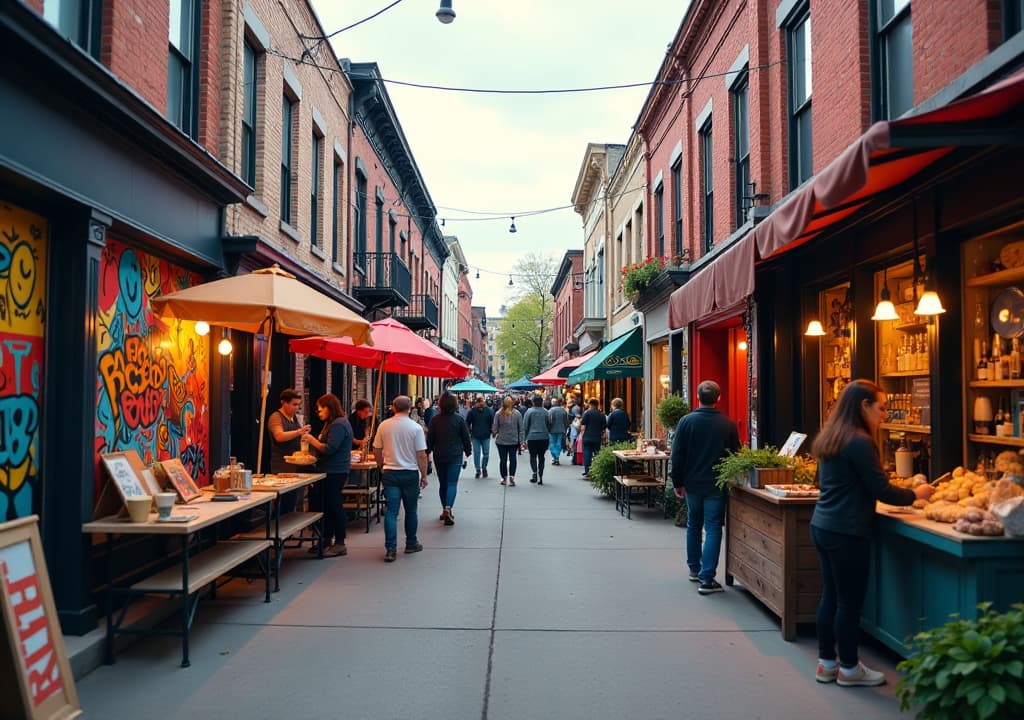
{"x": 203, "y": 568}
{"x": 362, "y": 500}
{"x": 285, "y": 527}
{"x": 624, "y": 486}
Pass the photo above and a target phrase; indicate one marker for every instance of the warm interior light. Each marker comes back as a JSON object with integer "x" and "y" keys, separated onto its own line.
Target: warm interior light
{"x": 885, "y": 310}
{"x": 664, "y": 379}
{"x": 202, "y": 328}
{"x": 741, "y": 346}
{"x": 929, "y": 304}
{"x": 224, "y": 347}
{"x": 814, "y": 329}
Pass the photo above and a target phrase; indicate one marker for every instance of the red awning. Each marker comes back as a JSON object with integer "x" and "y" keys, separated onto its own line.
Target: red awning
{"x": 888, "y": 154}
{"x": 551, "y": 375}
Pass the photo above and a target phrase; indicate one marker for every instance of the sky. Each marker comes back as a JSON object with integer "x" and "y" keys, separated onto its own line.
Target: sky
{"x": 506, "y": 154}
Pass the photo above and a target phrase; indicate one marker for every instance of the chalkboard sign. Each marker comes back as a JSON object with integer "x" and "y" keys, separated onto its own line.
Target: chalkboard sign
{"x": 35, "y": 678}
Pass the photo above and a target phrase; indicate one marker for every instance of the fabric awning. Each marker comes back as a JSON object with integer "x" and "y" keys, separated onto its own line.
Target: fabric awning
{"x": 622, "y": 357}
{"x": 888, "y": 154}
{"x": 556, "y": 374}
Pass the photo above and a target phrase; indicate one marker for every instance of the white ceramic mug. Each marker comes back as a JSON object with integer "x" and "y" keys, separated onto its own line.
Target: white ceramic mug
{"x": 138, "y": 507}
{"x": 165, "y": 503}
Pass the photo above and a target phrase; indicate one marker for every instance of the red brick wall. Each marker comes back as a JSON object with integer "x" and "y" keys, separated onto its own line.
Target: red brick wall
{"x": 138, "y": 33}
{"x": 949, "y": 37}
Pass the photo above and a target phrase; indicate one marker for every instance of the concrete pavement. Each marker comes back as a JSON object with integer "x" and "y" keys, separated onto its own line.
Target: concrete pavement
{"x": 540, "y": 602}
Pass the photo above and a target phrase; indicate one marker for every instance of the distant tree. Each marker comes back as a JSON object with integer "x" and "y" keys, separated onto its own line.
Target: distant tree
{"x": 525, "y": 334}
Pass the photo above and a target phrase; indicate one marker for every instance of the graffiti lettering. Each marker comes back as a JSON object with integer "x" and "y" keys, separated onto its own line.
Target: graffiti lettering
{"x": 132, "y": 377}
{"x": 194, "y": 460}
{"x": 19, "y": 418}
{"x": 143, "y": 409}
{"x": 35, "y": 641}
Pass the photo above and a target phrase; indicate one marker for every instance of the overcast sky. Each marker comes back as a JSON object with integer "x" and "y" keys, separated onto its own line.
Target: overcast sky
{"x": 506, "y": 153}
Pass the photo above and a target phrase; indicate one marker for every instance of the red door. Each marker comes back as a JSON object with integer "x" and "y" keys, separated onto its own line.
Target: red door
{"x": 720, "y": 353}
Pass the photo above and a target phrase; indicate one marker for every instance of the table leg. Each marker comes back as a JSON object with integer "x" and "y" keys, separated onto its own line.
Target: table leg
{"x": 184, "y": 601}
{"x": 629, "y": 503}
{"x": 278, "y": 542}
{"x": 109, "y": 654}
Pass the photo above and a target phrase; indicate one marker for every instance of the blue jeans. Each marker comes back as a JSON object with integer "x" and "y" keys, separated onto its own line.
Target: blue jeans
{"x": 481, "y": 447}
{"x": 845, "y": 564}
{"x": 590, "y": 449}
{"x": 555, "y": 443}
{"x": 704, "y": 511}
{"x": 447, "y": 481}
{"x": 400, "y": 486}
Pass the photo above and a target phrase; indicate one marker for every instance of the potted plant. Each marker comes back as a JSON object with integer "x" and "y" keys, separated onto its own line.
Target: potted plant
{"x": 967, "y": 669}
{"x": 636, "y": 277}
{"x": 602, "y": 468}
{"x": 670, "y": 411}
{"x": 754, "y": 467}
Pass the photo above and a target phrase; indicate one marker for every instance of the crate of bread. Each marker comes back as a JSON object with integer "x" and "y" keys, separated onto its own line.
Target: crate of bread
{"x": 793, "y": 490}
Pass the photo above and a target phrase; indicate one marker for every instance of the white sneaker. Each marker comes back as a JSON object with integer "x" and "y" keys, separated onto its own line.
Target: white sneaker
{"x": 862, "y": 676}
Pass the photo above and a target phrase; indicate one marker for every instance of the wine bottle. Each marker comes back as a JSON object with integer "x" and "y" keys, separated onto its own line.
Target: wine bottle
{"x": 983, "y": 363}
{"x": 1015, "y": 360}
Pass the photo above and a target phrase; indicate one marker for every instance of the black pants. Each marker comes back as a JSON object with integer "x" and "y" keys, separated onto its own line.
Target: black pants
{"x": 507, "y": 460}
{"x": 845, "y": 562}
{"x": 326, "y": 497}
{"x": 538, "y": 449}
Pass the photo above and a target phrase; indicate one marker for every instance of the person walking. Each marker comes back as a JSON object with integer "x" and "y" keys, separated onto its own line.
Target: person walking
{"x": 537, "y": 429}
{"x": 592, "y": 427}
{"x": 333, "y": 448}
{"x": 480, "y": 421}
{"x": 400, "y": 449}
{"x": 286, "y": 430}
{"x": 851, "y": 479}
{"x": 431, "y": 410}
{"x": 447, "y": 442}
{"x": 507, "y": 430}
{"x": 703, "y": 437}
{"x": 559, "y": 420}
{"x": 575, "y": 414}
{"x": 618, "y": 422}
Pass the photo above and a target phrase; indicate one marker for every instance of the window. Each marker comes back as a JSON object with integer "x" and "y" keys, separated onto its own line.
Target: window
{"x": 249, "y": 88}
{"x": 1013, "y": 17}
{"x": 359, "y": 251}
{"x": 799, "y": 46}
{"x": 79, "y": 20}
{"x": 677, "y": 207}
{"x": 339, "y": 173}
{"x": 894, "y": 61}
{"x": 287, "y": 114}
{"x": 741, "y": 144}
{"x": 392, "y": 222}
{"x": 378, "y": 236}
{"x": 182, "y": 68}
{"x": 707, "y": 186}
{"x": 599, "y": 273}
{"x": 659, "y": 220}
{"x": 314, "y": 192}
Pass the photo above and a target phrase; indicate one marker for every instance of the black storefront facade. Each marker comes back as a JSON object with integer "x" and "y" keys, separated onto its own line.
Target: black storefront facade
{"x": 104, "y": 203}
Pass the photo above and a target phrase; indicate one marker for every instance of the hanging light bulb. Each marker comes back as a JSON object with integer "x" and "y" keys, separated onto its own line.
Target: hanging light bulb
{"x": 477, "y": 274}
{"x": 224, "y": 347}
{"x": 929, "y": 304}
{"x": 445, "y": 13}
{"x": 814, "y": 329}
{"x": 885, "y": 310}
{"x": 512, "y": 227}
{"x": 510, "y": 281}
{"x": 202, "y": 328}
{"x": 442, "y": 222}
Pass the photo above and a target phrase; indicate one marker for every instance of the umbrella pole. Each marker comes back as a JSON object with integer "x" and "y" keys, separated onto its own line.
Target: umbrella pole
{"x": 376, "y": 399}
{"x": 263, "y": 398}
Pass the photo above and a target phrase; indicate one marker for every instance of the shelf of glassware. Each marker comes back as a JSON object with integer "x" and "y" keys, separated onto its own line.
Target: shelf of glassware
{"x": 996, "y": 440}
{"x": 996, "y": 384}
{"x": 907, "y": 374}
{"x": 903, "y": 427}
{"x": 1000, "y": 278}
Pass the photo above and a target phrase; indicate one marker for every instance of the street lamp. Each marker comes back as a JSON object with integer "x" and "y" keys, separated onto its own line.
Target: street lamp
{"x": 445, "y": 13}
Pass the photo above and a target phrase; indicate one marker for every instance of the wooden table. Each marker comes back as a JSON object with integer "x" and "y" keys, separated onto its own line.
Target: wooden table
{"x": 195, "y": 572}
{"x": 652, "y": 476}
{"x": 365, "y": 489}
{"x": 768, "y": 549}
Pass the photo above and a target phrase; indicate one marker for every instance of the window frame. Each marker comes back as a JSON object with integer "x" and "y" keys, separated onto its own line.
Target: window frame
{"x": 315, "y": 189}
{"x": 250, "y": 110}
{"x": 84, "y": 27}
{"x": 677, "y": 202}
{"x": 287, "y": 156}
{"x": 739, "y": 94}
{"x": 337, "y": 182}
{"x": 707, "y": 185}
{"x": 659, "y": 219}
{"x": 359, "y": 241}
{"x": 1013, "y": 18}
{"x": 186, "y": 116}
{"x": 800, "y": 114}
{"x": 882, "y": 71}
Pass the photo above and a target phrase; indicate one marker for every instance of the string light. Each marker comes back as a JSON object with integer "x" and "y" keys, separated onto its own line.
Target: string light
{"x": 512, "y": 229}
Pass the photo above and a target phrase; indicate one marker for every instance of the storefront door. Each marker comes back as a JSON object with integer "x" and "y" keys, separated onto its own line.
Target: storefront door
{"x": 721, "y": 355}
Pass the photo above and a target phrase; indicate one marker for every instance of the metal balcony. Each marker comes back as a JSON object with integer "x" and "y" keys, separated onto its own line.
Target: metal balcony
{"x": 419, "y": 314}
{"x": 467, "y": 351}
{"x": 381, "y": 280}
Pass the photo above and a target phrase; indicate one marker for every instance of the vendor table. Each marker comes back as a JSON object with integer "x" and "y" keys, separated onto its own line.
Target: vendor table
{"x": 196, "y": 571}
{"x": 923, "y": 571}
{"x": 650, "y": 475}
{"x": 364, "y": 491}
{"x": 768, "y": 549}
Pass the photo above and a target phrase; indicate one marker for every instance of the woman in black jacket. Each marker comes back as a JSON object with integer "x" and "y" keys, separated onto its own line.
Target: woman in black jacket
{"x": 447, "y": 439}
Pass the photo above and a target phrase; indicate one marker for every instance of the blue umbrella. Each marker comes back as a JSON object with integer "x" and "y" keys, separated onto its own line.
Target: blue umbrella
{"x": 473, "y": 385}
{"x": 524, "y": 384}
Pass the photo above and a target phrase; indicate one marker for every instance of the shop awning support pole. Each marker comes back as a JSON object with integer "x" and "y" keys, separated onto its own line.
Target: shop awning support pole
{"x": 376, "y": 402}
{"x": 263, "y": 394}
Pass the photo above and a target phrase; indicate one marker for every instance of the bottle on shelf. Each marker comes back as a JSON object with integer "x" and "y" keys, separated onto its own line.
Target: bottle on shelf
{"x": 982, "y": 372}
{"x": 995, "y": 364}
{"x": 1015, "y": 359}
{"x": 999, "y": 422}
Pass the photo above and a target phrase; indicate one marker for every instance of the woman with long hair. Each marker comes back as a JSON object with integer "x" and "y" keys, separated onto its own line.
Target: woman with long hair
{"x": 334, "y": 450}
{"x": 448, "y": 442}
{"x": 851, "y": 479}
{"x": 508, "y": 436}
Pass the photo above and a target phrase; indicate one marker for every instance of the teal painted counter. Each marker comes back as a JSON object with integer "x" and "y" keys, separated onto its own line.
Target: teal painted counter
{"x": 923, "y": 571}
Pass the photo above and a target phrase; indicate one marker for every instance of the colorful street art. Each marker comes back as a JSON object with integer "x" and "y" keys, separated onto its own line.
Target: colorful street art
{"x": 153, "y": 376}
{"x": 23, "y": 245}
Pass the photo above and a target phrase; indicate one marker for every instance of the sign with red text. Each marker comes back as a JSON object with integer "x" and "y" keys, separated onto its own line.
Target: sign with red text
{"x": 35, "y": 675}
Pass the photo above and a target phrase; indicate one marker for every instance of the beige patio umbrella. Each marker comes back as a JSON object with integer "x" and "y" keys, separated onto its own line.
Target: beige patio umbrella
{"x": 270, "y": 298}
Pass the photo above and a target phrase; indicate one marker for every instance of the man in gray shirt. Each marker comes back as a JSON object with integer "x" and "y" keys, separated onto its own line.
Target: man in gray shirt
{"x": 559, "y": 420}
{"x": 400, "y": 449}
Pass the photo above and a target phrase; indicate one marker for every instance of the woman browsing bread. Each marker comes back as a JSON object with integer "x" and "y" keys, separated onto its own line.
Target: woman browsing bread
{"x": 334, "y": 452}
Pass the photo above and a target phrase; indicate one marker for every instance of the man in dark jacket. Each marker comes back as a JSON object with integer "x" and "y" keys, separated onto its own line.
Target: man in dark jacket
{"x": 593, "y": 426}
{"x": 479, "y": 420}
{"x": 703, "y": 437}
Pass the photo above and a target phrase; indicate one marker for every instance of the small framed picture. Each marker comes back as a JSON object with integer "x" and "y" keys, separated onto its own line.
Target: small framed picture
{"x": 177, "y": 476}
{"x": 123, "y": 475}
{"x": 792, "y": 444}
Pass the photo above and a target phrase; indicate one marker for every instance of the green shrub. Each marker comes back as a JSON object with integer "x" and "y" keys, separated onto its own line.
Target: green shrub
{"x": 602, "y": 467}
{"x": 733, "y": 468}
{"x": 967, "y": 669}
{"x": 671, "y": 410}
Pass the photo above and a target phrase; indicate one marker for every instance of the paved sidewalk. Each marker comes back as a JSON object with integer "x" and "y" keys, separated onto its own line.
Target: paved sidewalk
{"x": 540, "y": 602}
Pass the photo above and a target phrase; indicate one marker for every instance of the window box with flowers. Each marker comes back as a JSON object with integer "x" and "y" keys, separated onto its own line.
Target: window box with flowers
{"x": 636, "y": 278}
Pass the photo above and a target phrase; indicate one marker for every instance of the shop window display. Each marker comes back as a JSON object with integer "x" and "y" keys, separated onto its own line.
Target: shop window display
{"x": 836, "y": 309}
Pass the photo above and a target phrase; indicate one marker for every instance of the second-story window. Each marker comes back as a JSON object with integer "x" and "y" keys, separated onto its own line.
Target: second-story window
{"x": 677, "y": 207}
{"x": 250, "y": 78}
{"x": 359, "y": 250}
{"x": 894, "y": 58}
{"x": 79, "y": 20}
{"x": 799, "y": 45}
{"x": 1013, "y": 17}
{"x": 659, "y": 220}
{"x": 314, "y": 192}
{"x": 378, "y": 237}
{"x": 741, "y": 144}
{"x": 287, "y": 118}
{"x": 707, "y": 186}
{"x": 392, "y": 224}
{"x": 182, "y": 66}
{"x": 336, "y": 220}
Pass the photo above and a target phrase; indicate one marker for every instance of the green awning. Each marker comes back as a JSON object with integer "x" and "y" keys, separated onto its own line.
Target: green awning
{"x": 622, "y": 357}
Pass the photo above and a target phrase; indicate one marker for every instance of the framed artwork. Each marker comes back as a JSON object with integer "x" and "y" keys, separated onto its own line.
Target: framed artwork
{"x": 178, "y": 477}
{"x": 119, "y": 466}
{"x": 37, "y": 683}
{"x": 792, "y": 444}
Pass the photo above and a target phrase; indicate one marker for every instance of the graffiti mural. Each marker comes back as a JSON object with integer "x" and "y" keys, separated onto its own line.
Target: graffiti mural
{"x": 23, "y": 244}
{"x": 153, "y": 378}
